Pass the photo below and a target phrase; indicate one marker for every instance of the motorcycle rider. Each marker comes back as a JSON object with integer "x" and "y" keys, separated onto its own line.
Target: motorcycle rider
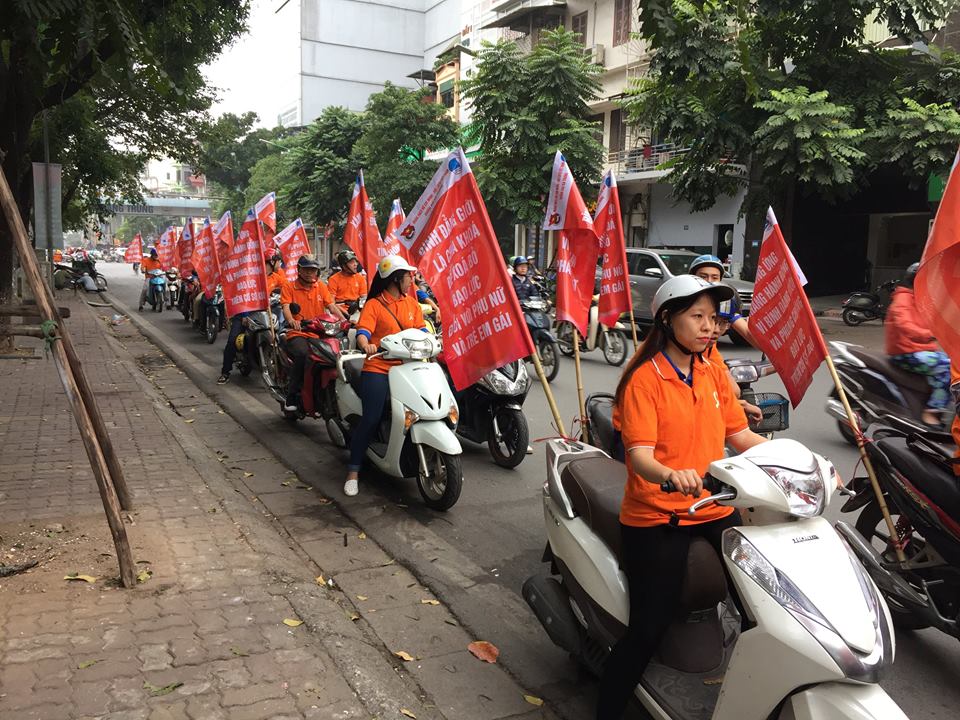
{"x": 912, "y": 347}
{"x": 677, "y": 412}
{"x": 523, "y": 284}
{"x": 348, "y": 285}
{"x": 150, "y": 263}
{"x": 388, "y": 310}
{"x": 275, "y": 275}
{"x": 313, "y": 297}
{"x": 710, "y": 268}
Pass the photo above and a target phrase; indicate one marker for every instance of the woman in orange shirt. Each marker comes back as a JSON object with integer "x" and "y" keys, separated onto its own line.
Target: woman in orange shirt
{"x": 389, "y": 309}
{"x": 677, "y": 411}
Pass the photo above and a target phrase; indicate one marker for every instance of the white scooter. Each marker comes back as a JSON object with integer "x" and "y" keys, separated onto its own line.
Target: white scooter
{"x": 417, "y": 435}
{"x": 816, "y": 634}
{"x": 612, "y": 340}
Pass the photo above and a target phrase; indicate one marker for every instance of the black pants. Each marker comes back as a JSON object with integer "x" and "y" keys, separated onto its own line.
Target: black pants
{"x": 230, "y": 349}
{"x": 654, "y": 560}
{"x": 299, "y": 349}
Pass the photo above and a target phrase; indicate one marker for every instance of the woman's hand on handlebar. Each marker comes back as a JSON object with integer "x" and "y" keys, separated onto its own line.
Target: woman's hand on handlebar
{"x": 687, "y": 482}
{"x": 295, "y": 324}
{"x": 370, "y": 348}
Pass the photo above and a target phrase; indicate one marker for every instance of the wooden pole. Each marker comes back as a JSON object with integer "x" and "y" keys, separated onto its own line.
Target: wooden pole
{"x": 62, "y": 349}
{"x": 581, "y": 405}
{"x": 633, "y": 330}
{"x": 855, "y": 427}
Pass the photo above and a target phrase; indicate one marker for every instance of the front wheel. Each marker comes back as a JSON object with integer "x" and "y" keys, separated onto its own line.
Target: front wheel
{"x": 441, "y": 490}
{"x": 212, "y": 326}
{"x": 565, "y": 338}
{"x": 853, "y": 317}
{"x": 101, "y": 281}
{"x": 615, "y": 347}
{"x": 508, "y": 437}
{"x": 549, "y": 351}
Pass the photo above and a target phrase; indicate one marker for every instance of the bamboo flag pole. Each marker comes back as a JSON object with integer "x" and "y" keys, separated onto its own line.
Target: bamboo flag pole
{"x": 633, "y": 329}
{"x": 69, "y": 370}
{"x": 581, "y": 406}
{"x": 867, "y": 464}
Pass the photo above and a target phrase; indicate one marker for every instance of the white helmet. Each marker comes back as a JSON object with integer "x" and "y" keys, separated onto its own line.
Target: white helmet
{"x": 391, "y": 264}
{"x": 686, "y": 286}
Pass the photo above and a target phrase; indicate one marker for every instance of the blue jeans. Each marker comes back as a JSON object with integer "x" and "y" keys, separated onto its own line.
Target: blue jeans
{"x": 936, "y": 367}
{"x": 374, "y": 391}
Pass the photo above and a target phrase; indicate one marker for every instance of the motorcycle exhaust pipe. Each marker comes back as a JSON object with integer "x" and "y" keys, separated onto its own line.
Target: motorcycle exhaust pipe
{"x": 835, "y": 409}
{"x": 889, "y": 583}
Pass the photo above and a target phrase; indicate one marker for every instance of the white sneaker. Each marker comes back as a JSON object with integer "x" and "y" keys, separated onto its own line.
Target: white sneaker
{"x": 351, "y": 488}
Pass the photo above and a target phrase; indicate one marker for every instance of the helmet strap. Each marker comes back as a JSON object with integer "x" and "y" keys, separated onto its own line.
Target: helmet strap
{"x": 668, "y": 329}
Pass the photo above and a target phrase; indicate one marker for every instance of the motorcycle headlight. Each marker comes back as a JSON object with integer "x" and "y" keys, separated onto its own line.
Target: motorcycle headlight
{"x": 744, "y": 373}
{"x": 497, "y": 383}
{"x": 805, "y": 491}
{"x": 330, "y": 328}
{"x": 419, "y": 349}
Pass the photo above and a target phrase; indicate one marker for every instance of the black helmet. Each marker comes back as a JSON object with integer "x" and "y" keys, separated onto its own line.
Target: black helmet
{"x": 308, "y": 261}
{"x": 274, "y": 256}
{"x": 345, "y": 256}
{"x": 909, "y": 275}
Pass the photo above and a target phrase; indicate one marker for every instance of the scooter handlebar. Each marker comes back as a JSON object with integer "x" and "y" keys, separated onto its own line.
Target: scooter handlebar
{"x": 710, "y": 484}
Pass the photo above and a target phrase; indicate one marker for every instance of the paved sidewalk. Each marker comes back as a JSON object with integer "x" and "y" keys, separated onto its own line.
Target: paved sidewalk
{"x": 204, "y": 635}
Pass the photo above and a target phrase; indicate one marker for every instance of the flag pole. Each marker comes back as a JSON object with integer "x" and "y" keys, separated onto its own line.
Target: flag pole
{"x": 581, "y": 407}
{"x": 871, "y": 473}
{"x": 633, "y": 330}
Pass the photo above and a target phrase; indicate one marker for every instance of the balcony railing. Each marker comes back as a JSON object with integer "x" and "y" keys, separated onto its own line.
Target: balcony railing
{"x": 646, "y": 158}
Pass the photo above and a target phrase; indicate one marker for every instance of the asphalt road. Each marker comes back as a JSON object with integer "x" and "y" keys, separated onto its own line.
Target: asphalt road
{"x": 477, "y": 555}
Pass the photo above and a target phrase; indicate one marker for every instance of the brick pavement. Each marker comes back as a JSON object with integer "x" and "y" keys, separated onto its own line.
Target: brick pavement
{"x": 234, "y": 542}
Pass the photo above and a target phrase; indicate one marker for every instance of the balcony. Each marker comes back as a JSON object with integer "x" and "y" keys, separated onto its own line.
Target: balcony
{"x": 524, "y": 15}
{"x": 644, "y": 163}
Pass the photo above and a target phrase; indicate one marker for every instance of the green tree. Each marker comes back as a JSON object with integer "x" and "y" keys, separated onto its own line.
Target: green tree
{"x": 399, "y": 126}
{"x": 322, "y": 167}
{"x": 525, "y": 108}
{"x": 793, "y": 92}
{"x": 271, "y": 174}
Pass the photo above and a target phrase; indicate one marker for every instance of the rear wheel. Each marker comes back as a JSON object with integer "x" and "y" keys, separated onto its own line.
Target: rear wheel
{"x": 549, "y": 352}
{"x": 615, "y": 347}
{"x": 101, "y": 281}
{"x": 508, "y": 437}
{"x": 442, "y": 489}
{"x": 853, "y": 317}
{"x": 565, "y": 338}
{"x": 873, "y": 528}
{"x": 212, "y": 326}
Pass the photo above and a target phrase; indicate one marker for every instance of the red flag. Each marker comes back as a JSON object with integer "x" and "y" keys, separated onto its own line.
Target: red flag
{"x": 577, "y": 246}
{"x": 781, "y": 320}
{"x": 243, "y": 274}
{"x": 204, "y": 260}
{"x": 449, "y": 237}
{"x": 615, "y": 298}
{"x": 185, "y": 248}
{"x": 134, "y": 251}
{"x": 391, "y": 240}
{"x": 937, "y": 285}
{"x": 293, "y": 243}
{"x": 362, "y": 234}
{"x": 166, "y": 247}
{"x": 266, "y": 210}
{"x": 223, "y": 236}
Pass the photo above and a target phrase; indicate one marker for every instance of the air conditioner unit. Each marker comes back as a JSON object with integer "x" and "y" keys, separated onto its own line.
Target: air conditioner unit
{"x": 597, "y": 53}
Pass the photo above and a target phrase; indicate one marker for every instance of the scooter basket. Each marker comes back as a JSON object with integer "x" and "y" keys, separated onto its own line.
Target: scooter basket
{"x": 776, "y": 412}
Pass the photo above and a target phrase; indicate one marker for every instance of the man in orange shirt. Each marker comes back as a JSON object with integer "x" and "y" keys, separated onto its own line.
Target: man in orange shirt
{"x": 151, "y": 262}
{"x": 348, "y": 285}
{"x": 313, "y": 299}
{"x": 275, "y": 275}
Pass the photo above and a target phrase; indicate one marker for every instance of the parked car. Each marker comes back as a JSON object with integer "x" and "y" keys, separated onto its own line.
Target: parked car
{"x": 650, "y": 267}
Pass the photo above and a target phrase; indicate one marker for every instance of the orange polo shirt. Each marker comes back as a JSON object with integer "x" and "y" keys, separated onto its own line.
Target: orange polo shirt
{"x": 275, "y": 280}
{"x": 313, "y": 301}
{"x": 955, "y": 429}
{"x": 347, "y": 288}
{"x": 685, "y": 426}
{"x": 380, "y": 317}
{"x": 148, "y": 264}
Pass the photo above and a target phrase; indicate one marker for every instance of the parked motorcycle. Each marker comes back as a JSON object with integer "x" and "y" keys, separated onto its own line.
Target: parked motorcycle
{"x": 612, "y": 341}
{"x": 915, "y": 472}
{"x": 492, "y": 413}
{"x": 536, "y": 313}
{"x": 157, "y": 289}
{"x": 817, "y": 631}
{"x": 173, "y": 288}
{"x": 876, "y": 389}
{"x": 417, "y": 435}
{"x": 71, "y": 275}
{"x": 863, "y": 306}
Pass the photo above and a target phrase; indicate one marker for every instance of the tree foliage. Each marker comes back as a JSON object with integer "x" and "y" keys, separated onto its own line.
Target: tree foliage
{"x": 525, "y": 108}
{"x": 794, "y": 90}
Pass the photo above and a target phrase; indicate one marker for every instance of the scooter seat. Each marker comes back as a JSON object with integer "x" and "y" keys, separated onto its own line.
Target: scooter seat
{"x": 600, "y": 416}
{"x": 881, "y": 364}
{"x": 930, "y": 477}
{"x": 595, "y": 488}
{"x": 353, "y": 370}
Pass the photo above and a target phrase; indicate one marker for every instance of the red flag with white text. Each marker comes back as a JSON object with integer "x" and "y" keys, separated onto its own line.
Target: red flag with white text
{"x": 134, "y": 251}
{"x": 577, "y": 246}
{"x": 615, "y": 298}
{"x": 450, "y": 239}
{"x": 223, "y": 236}
{"x": 204, "y": 259}
{"x": 266, "y": 210}
{"x": 167, "y": 247}
{"x": 293, "y": 243}
{"x": 936, "y": 287}
{"x": 185, "y": 248}
{"x": 243, "y": 274}
{"x": 361, "y": 233}
{"x": 781, "y": 320}
{"x": 391, "y": 240}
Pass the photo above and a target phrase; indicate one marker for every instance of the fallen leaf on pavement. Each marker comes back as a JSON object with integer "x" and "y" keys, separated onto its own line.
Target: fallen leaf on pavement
{"x": 144, "y": 575}
{"x": 87, "y": 663}
{"x": 220, "y": 412}
{"x": 289, "y": 622}
{"x": 324, "y": 501}
{"x": 362, "y": 536}
{"x": 428, "y": 601}
{"x": 404, "y": 711}
{"x": 239, "y": 653}
{"x": 188, "y": 422}
{"x": 85, "y": 578}
{"x": 403, "y": 655}
{"x": 165, "y": 690}
{"x": 533, "y": 700}
{"x": 353, "y": 616}
{"x": 248, "y": 474}
{"x": 286, "y": 483}
{"x": 321, "y": 580}
{"x": 483, "y": 650}
{"x": 361, "y": 598}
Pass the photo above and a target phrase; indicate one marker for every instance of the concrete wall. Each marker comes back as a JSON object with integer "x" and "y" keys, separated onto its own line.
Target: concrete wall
{"x": 441, "y": 26}
{"x": 673, "y": 224}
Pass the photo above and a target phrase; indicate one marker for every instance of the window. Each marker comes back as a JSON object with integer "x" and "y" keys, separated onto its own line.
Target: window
{"x": 446, "y": 94}
{"x": 618, "y": 131}
{"x": 621, "y": 21}
{"x": 579, "y": 27}
{"x": 638, "y": 263}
